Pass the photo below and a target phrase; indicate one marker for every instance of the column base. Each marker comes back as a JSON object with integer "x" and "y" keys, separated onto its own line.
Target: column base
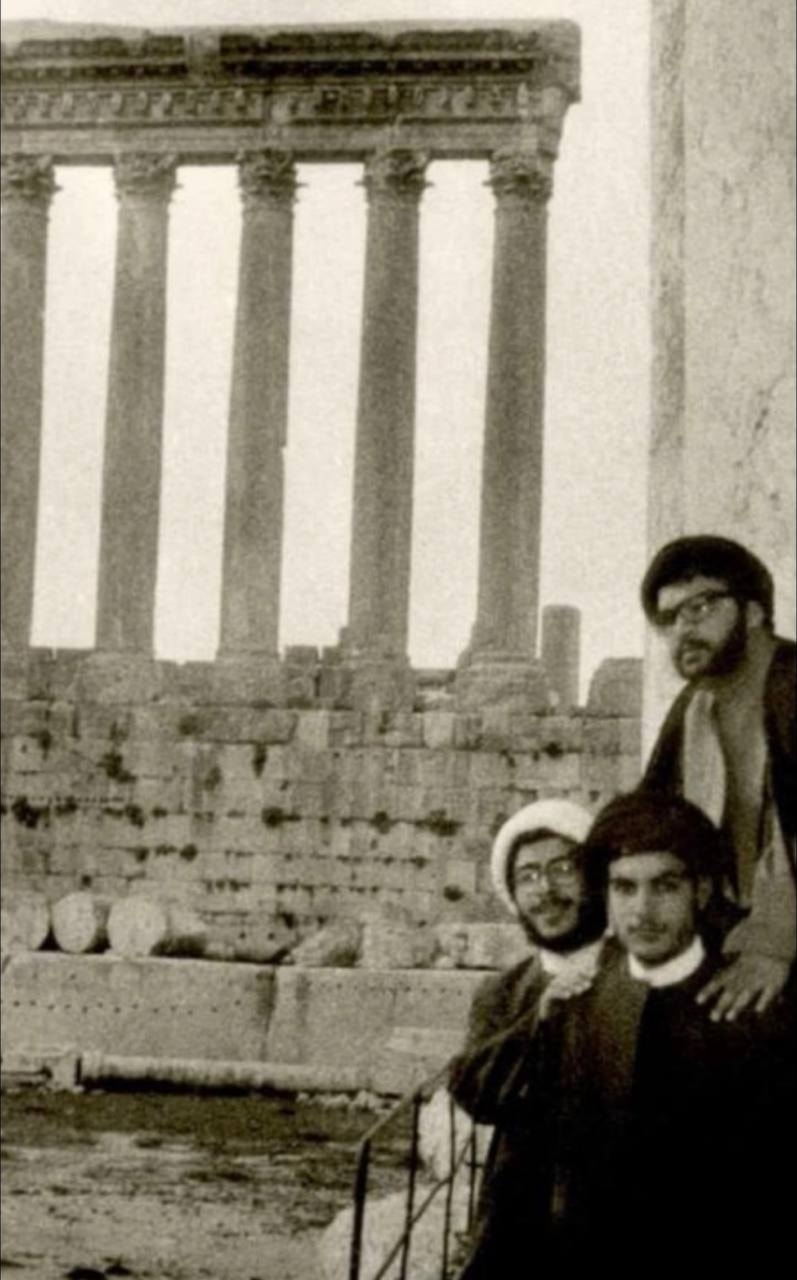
{"x": 497, "y": 678}
{"x": 255, "y": 679}
{"x": 376, "y": 677}
{"x": 371, "y": 680}
{"x": 115, "y": 677}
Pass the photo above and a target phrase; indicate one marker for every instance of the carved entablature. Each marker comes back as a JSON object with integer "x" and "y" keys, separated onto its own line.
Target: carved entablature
{"x": 461, "y": 90}
{"x": 132, "y": 106}
{"x": 394, "y": 100}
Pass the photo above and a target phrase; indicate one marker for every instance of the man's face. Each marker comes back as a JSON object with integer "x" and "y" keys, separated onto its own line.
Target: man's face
{"x": 548, "y": 887}
{"x": 654, "y": 905}
{"x": 705, "y": 628}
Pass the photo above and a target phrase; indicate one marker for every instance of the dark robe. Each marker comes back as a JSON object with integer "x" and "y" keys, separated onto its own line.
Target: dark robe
{"x": 673, "y": 1128}
{"x": 498, "y": 1079}
{"x": 632, "y": 1132}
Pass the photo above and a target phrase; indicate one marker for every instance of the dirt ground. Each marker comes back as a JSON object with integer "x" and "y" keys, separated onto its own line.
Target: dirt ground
{"x": 174, "y": 1186}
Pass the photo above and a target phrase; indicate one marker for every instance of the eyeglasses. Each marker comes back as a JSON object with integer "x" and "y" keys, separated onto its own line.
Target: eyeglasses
{"x": 695, "y": 609}
{"x": 557, "y": 873}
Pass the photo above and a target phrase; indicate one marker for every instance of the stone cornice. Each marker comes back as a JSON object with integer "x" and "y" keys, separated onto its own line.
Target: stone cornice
{"x": 323, "y": 91}
{"x": 549, "y": 51}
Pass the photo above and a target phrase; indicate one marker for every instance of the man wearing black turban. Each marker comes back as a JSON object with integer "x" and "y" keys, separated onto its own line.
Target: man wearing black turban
{"x": 728, "y": 745}
{"x": 675, "y": 1132}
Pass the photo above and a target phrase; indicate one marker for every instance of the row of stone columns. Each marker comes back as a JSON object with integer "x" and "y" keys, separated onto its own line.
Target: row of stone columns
{"x": 394, "y": 181}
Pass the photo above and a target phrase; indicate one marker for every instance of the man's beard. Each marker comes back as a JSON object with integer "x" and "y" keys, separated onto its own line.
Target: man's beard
{"x": 591, "y": 924}
{"x": 723, "y": 660}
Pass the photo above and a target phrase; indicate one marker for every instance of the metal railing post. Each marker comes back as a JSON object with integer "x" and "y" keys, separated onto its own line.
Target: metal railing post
{"x": 405, "y": 1251}
{"x": 360, "y": 1189}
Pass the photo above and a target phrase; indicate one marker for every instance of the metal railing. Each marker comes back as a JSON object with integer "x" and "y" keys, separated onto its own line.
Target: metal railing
{"x": 462, "y": 1160}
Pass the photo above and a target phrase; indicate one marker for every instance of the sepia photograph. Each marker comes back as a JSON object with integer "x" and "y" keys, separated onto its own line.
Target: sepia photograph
{"x": 399, "y": 868}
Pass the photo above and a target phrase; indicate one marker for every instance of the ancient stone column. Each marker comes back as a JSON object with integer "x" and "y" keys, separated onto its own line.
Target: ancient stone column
{"x": 561, "y": 652}
{"x": 27, "y": 188}
{"x": 509, "y": 546}
{"x": 383, "y": 466}
{"x": 134, "y": 415}
{"x": 258, "y": 409}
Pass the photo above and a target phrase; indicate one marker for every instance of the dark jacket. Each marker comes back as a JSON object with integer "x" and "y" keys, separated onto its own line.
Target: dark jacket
{"x": 631, "y": 1130}
{"x": 673, "y": 1129}
{"x": 486, "y": 1080}
{"x": 498, "y": 1079}
{"x": 663, "y": 772}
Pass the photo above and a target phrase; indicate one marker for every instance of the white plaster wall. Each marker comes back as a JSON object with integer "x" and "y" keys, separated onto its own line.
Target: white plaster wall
{"x": 723, "y": 436}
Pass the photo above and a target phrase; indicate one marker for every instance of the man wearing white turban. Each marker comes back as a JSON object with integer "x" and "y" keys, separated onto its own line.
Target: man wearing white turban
{"x": 539, "y": 873}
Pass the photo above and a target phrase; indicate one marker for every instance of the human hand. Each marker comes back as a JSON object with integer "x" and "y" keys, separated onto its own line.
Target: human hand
{"x": 563, "y": 987}
{"x": 751, "y": 979}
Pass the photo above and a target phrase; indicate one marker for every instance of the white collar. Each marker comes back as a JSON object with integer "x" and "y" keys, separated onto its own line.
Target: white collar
{"x": 556, "y": 962}
{"x": 676, "y": 970}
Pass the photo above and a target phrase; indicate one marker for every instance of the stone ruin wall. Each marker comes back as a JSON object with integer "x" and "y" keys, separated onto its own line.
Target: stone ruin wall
{"x": 269, "y": 821}
{"x": 273, "y": 793}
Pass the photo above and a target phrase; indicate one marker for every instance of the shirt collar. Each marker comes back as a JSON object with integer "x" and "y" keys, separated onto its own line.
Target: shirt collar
{"x": 676, "y": 970}
{"x": 556, "y": 962}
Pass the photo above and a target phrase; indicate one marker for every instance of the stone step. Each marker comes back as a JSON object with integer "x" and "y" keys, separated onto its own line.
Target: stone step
{"x": 383, "y": 1031}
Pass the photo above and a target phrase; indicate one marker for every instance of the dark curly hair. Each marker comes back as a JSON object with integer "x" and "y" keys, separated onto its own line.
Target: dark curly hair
{"x": 713, "y": 557}
{"x": 645, "y": 821}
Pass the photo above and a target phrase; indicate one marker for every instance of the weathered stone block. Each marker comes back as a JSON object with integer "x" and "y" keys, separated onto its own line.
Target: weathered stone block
{"x": 438, "y": 729}
{"x": 123, "y": 679}
{"x": 21, "y": 718}
{"x": 189, "y": 682}
{"x": 334, "y": 686}
{"x": 163, "y": 1008}
{"x": 562, "y": 772}
{"x": 27, "y": 755}
{"x": 313, "y": 729}
{"x": 489, "y": 769}
{"x": 403, "y": 729}
{"x": 616, "y": 688}
{"x": 630, "y": 737}
{"x": 14, "y": 674}
{"x": 497, "y": 683}
{"x": 243, "y": 682}
{"x": 335, "y": 946}
{"x": 346, "y": 728}
{"x": 378, "y": 686}
{"x": 467, "y": 731}
{"x": 301, "y": 655}
{"x": 480, "y": 945}
{"x": 300, "y": 688}
{"x": 459, "y": 874}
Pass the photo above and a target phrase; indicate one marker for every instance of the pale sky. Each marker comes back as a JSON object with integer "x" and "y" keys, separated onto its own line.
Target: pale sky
{"x": 597, "y": 413}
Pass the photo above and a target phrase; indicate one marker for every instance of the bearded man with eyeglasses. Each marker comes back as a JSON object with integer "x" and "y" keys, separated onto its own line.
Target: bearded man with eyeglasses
{"x": 542, "y": 878}
{"x": 727, "y": 745}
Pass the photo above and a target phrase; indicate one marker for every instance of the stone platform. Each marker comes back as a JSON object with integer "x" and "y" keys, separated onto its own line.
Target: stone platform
{"x": 326, "y": 1028}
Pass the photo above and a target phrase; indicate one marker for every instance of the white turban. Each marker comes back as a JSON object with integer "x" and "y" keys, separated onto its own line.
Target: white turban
{"x": 559, "y": 817}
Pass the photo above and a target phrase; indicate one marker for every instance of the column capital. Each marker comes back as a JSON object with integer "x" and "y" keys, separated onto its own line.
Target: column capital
{"x": 267, "y": 175}
{"x": 396, "y": 173}
{"x": 525, "y": 174}
{"x": 27, "y": 180}
{"x": 151, "y": 175}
